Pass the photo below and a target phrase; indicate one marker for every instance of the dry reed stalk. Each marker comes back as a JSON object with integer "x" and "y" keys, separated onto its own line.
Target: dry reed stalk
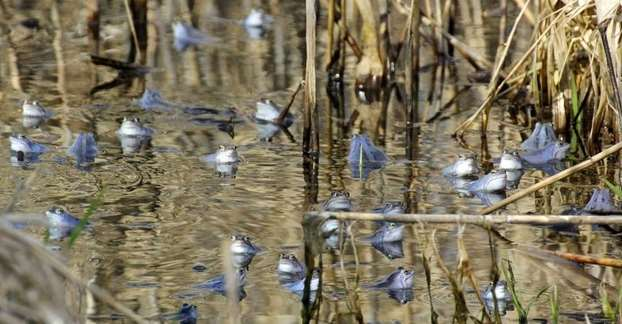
{"x": 455, "y": 280}
{"x": 502, "y": 49}
{"x": 232, "y": 285}
{"x": 411, "y": 65}
{"x": 130, "y": 19}
{"x": 556, "y": 17}
{"x": 484, "y": 220}
{"x": 310, "y": 104}
{"x": 529, "y": 16}
{"x": 40, "y": 258}
{"x": 281, "y": 117}
{"x": 331, "y": 30}
{"x": 472, "y": 56}
{"x": 492, "y": 88}
{"x": 586, "y": 259}
{"x": 552, "y": 179}
{"x": 464, "y": 264}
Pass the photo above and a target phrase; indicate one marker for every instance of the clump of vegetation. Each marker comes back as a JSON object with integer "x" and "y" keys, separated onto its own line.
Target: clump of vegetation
{"x": 521, "y": 308}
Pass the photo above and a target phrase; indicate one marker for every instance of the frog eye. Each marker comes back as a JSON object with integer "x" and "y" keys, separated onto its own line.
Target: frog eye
{"x": 221, "y": 147}
{"x": 136, "y": 120}
{"x": 235, "y": 147}
{"x": 36, "y": 103}
{"x": 234, "y": 237}
{"x": 347, "y": 194}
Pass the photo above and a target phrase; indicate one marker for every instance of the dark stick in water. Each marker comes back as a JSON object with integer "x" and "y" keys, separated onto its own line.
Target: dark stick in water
{"x": 285, "y": 111}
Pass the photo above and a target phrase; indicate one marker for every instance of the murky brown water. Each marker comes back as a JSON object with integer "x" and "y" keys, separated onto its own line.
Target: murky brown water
{"x": 165, "y": 211}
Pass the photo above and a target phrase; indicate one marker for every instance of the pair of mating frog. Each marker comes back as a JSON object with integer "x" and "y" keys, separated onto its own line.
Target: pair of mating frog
{"x": 540, "y": 150}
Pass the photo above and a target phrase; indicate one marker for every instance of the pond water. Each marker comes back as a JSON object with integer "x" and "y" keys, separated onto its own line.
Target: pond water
{"x": 164, "y": 211}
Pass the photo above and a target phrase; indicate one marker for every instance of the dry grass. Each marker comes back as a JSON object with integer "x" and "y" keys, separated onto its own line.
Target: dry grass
{"x": 566, "y": 73}
{"x": 31, "y": 289}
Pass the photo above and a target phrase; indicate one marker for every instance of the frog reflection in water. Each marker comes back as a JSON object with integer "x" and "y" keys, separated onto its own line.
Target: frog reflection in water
{"x": 390, "y": 208}
{"x": 187, "y": 314}
{"x": 495, "y": 181}
{"x": 297, "y": 286}
{"x": 218, "y": 284}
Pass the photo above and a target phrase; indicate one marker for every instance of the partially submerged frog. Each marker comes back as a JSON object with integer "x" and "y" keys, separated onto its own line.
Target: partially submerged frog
{"x": 132, "y": 127}
{"x": 84, "y": 148}
{"x": 224, "y": 155}
{"x": 495, "y": 181}
{"x": 364, "y": 156}
{"x": 268, "y": 112}
{"x": 490, "y": 198}
{"x": 187, "y": 314}
{"x": 388, "y": 232}
{"x": 21, "y": 143}
{"x": 500, "y": 291}
{"x": 552, "y": 153}
{"x": 510, "y": 160}
{"x": 186, "y": 35}
{"x": 34, "y": 109}
{"x": 362, "y": 151}
{"x": 289, "y": 268}
{"x": 390, "y": 208}
{"x": 60, "y": 222}
{"x": 218, "y": 285}
{"x": 338, "y": 201}
{"x": 398, "y": 279}
{"x": 600, "y": 203}
{"x": 152, "y": 99}
{"x": 503, "y": 297}
{"x": 257, "y": 18}
{"x": 542, "y": 136}
{"x": 133, "y": 144}
{"x": 513, "y": 178}
{"x": 242, "y": 244}
{"x": 402, "y": 296}
{"x": 466, "y": 166}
